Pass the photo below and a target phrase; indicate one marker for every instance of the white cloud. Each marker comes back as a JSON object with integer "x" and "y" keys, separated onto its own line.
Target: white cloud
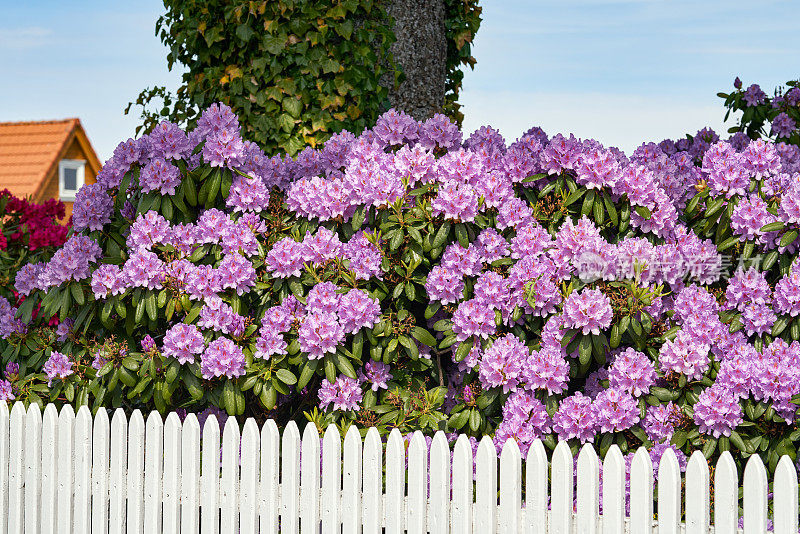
{"x": 23, "y": 38}
{"x": 624, "y": 121}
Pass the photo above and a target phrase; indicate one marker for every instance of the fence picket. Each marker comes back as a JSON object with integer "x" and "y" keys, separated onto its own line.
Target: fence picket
{"x": 562, "y": 490}
{"x": 248, "y": 487}
{"x": 118, "y": 472}
{"x": 372, "y": 496}
{"x": 613, "y": 492}
{"x": 417, "y": 504}
{"x": 209, "y": 478}
{"x": 784, "y": 501}
{"x": 669, "y": 494}
{"x": 83, "y": 469}
{"x": 153, "y": 471}
{"x": 536, "y": 489}
{"x": 641, "y": 499}
{"x": 16, "y": 470}
{"x": 100, "y": 468}
{"x": 190, "y": 474}
{"x": 726, "y": 495}
{"x": 309, "y": 480}
{"x": 439, "y": 484}
{"x": 395, "y": 483}
{"x": 4, "y": 427}
{"x": 229, "y": 483}
{"x": 290, "y": 478}
{"x": 66, "y": 423}
{"x": 463, "y": 476}
{"x": 588, "y": 498}
{"x": 32, "y": 447}
{"x": 49, "y": 469}
{"x": 171, "y": 495}
{"x": 510, "y": 487}
{"x": 351, "y": 482}
{"x": 485, "y": 510}
{"x": 331, "y": 479}
{"x": 755, "y": 496}
{"x": 136, "y": 436}
{"x": 697, "y": 495}
{"x": 269, "y": 504}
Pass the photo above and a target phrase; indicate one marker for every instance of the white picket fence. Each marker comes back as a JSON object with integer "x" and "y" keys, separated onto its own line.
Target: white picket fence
{"x": 66, "y": 473}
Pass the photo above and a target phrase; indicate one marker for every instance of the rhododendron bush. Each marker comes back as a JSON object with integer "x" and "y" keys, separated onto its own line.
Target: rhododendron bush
{"x": 549, "y": 288}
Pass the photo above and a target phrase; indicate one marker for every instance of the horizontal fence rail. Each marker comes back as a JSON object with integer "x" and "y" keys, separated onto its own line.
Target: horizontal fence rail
{"x": 66, "y": 472}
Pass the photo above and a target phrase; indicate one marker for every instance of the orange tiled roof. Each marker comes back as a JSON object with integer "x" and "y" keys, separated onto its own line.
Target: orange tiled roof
{"x": 30, "y": 150}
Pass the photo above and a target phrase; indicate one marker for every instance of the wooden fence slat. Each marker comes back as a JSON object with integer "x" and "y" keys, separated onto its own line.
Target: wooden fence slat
{"x": 309, "y": 480}
{"x": 485, "y": 510}
{"x": 4, "y": 427}
{"x": 510, "y": 487}
{"x": 229, "y": 483}
{"x": 461, "y": 510}
{"x": 32, "y": 448}
{"x": 536, "y": 501}
{"x": 83, "y": 470}
{"x": 16, "y": 470}
{"x": 190, "y": 474}
{"x": 613, "y": 492}
{"x": 66, "y": 423}
{"x": 135, "y": 491}
{"x": 697, "y": 495}
{"x": 209, "y": 477}
{"x": 373, "y": 482}
{"x": 172, "y": 476}
{"x": 118, "y": 472}
{"x": 755, "y": 496}
{"x": 248, "y": 487}
{"x": 588, "y": 498}
{"x": 269, "y": 506}
{"x": 417, "y": 502}
{"x": 669, "y": 494}
{"x": 438, "y": 517}
{"x": 100, "y": 467}
{"x": 641, "y": 496}
{"x": 561, "y": 493}
{"x": 351, "y": 482}
{"x": 395, "y": 483}
{"x": 153, "y": 471}
{"x": 784, "y": 500}
{"x": 290, "y": 478}
{"x": 49, "y": 484}
{"x": 331, "y": 479}
{"x": 726, "y": 495}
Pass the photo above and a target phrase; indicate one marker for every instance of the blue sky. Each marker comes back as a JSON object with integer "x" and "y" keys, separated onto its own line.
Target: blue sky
{"x": 623, "y": 71}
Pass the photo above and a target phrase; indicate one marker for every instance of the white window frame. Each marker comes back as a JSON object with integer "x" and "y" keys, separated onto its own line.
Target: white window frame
{"x": 79, "y": 165}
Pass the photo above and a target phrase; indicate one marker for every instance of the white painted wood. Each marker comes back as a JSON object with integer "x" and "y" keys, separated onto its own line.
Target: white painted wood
{"x": 310, "y": 480}
{"x": 669, "y": 494}
{"x": 351, "y": 482}
{"x": 190, "y": 474}
{"x": 269, "y": 499}
{"x": 331, "y": 479}
{"x": 588, "y": 498}
{"x": 100, "y": 471}
{"x": 784, "y": 499}
{"x": 118, "y": 472}
{"x": 49, "y": 485}
{"x": 16, "y": 470}
{"x": 439, "y": 484}
{"x": 726, "y": 495}
{"x": 171, "y": 489}
{"x": 290, "y": 478}
{"x": 461, "y": 510}
{"x": 395, "y": 483}
{"x": 32, "y": 448}
{"x": 613, "y": 492}
{"x": 248, "y": 486}
{"x": 372, "y": 498}
{"x": 83, "y": 470}
{"x": 561, "y": 492}
{"x": 755, "y": 496}
{"x": 697, "y": 495}
{"x": 417, "y": 502}
{"x": 641, "y": 497}
{"x": 209, "y": 478}
{"x": 66, "y": 424}
{"x": 135, "y": 491}
{"x": 4, "y": 427}
{"x": 510, "y": 487}
{"x": 229, "y": 484}
{"x": 536, "y": 472}
{"x": 153, "y": 471}
{"x": 485, "y": 510}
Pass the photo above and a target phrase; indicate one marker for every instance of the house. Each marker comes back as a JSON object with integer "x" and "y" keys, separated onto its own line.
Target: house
{"x": 46, "y": 159}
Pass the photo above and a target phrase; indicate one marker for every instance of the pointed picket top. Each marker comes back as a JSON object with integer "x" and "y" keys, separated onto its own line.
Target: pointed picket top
{"x": 439, "y": 483}
{"x": 395, "y": 483}
{"x": 248, "y": 487}
{"x": 669, "y": 494}
{"x": 49, "y": 484}
{"x": 613, "y": 497}
{"x": 135, "y": 488}
{"x": 784, "y": 498}
{"x": 331, "y": 479}
{"x": 229, "y": 481}
{"x": 486, "y": 487}
{"x": 172, "y": 475}
{"x": 641, "y": 495}
{"x": 536, "y": 474}
{"x": 32, "y": 449}
{"x": 588, "y": 489}
{"x": 726, "y": 495}
{"x": 153, "y": 471}
{"x": 697, "y": 494}
{"x": 290, "y": 478}
{"x": 561, "y": 493}
{"x": 83, "y": 469}
{"x": 461, "y": 510}
{"x": 101, "y": 452}
{"x": 16, "y": 469}
{"x": 190, "y": 474}
{"x": 269, "y": 503}
{"x": 372, "y": 501}
{"x": 418, "y": 475}
{"x": 510, "y": 487}
{"x": 755, "y": 496}
{"x": 310, "y": 480}
{"x": 351, "y": 482}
